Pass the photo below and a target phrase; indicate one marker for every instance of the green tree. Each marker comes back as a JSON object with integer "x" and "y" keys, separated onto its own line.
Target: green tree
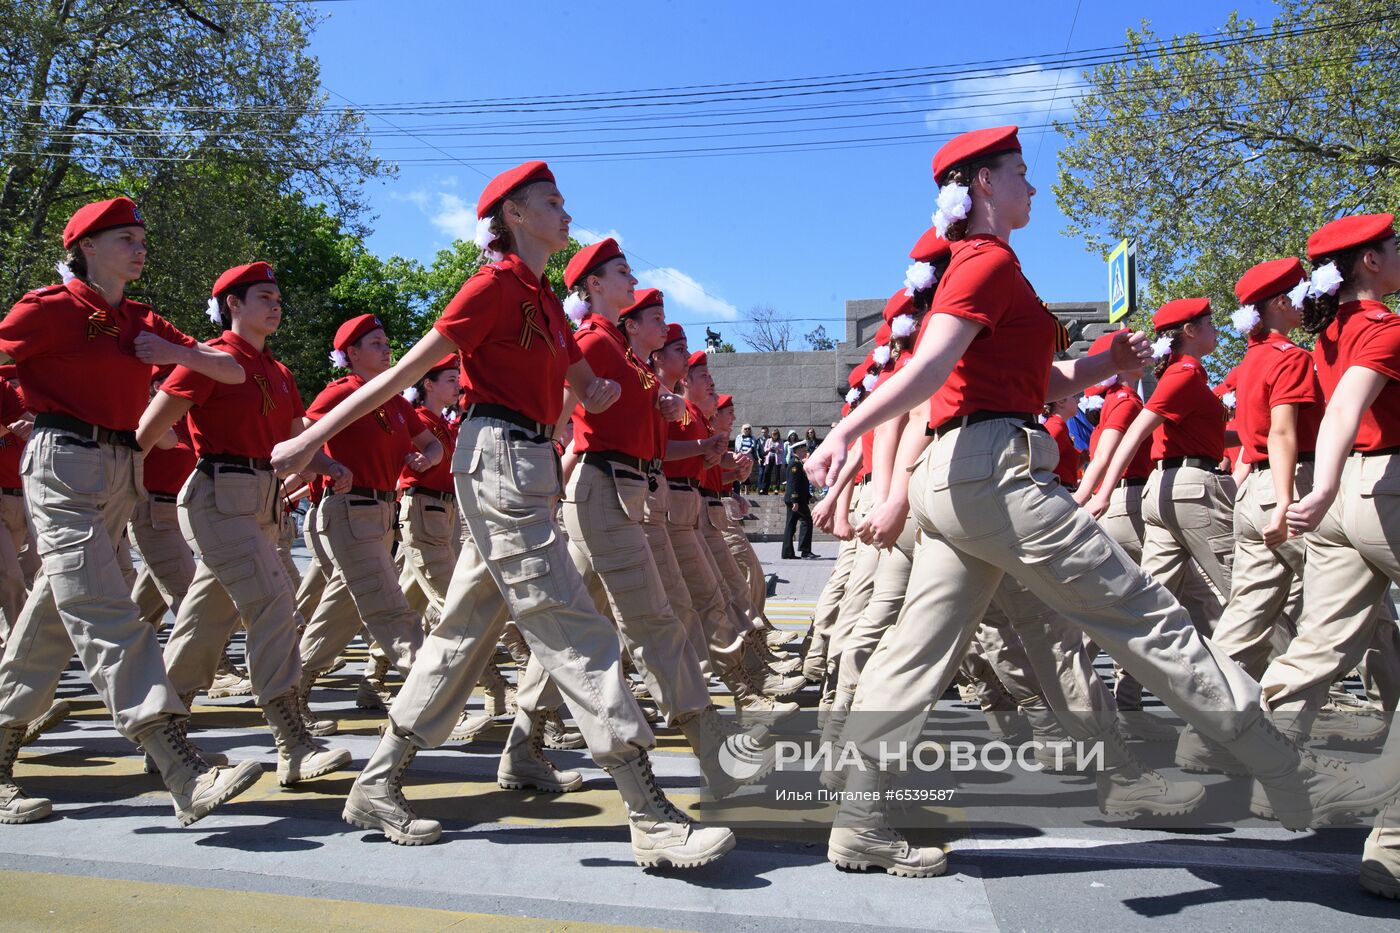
{"x": 818, "y": 340}
{"x": 1216, "y": 154}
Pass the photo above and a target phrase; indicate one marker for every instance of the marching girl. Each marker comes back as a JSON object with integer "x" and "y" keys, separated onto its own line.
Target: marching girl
{"x": 230, "y": 513}
{"x": 988, "y": 503}
{"x": 1186, "y": 503}
{"x": 166, "y": 558}
{"x": 84, "y": 353}
{"x": 517, "y": 355}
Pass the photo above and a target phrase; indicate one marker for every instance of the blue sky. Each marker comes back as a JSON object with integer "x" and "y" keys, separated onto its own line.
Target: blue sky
{"x": 800, "y": 231}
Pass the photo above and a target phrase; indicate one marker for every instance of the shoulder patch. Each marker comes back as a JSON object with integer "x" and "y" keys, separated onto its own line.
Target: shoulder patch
{"x": 1379, "y": 315}
{"x": 47, "y": 290}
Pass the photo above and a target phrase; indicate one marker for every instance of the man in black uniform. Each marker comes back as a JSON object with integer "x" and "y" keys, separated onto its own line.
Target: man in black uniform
{"x": 798, "y": 498}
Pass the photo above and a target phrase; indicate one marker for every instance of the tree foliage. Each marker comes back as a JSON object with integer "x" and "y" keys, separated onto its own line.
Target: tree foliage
{"x": 764, "y": 330}
{"x": 1217, "y": 155}
{"x": 818, "y": 340}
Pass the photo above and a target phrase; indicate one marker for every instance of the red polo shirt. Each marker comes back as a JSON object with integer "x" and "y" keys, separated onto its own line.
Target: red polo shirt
{"x": 1195, "y": 419}
{"x": 1068, "y": 468}
{"x": 515, "y": 340}
{"x": 1366, "y": 334}
{"x": 1007, "y": 365}
{"x": 691, "y": 427}
{"x": 439, "y": 478}
{"x": 75, "y": 356}
{"x": 1121, "y": 406}
{"x": 373, "y": 447}
{"x": 1275, "y": 371}
{"x": 626, "y": 427}
{"x": 243, "y": 420}
{"x": 166, "y": 470}
{"x": 11, "y": 445}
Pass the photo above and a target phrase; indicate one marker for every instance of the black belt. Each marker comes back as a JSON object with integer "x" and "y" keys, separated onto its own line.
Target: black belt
{"x": 251, "y": 463}
{"x": 366, "y": 492}
{"x": 604, "y": 458}
{"x": 430, "y": 493}
{"x": 11, "y": 491}
{"x": 709, "y": 494}
{"x": 977, "y": 417}
{"x": 163, "y": 496}
{"x": 1303, "y": 457}
{"x": 501, "y": 412}
{"x": 1383, "y": 452}
{"x": 681, "y": 484}
{"x": 1200, "y": 463}
{"x": 92, "y": 432}
{"x": 1130, "y": 483}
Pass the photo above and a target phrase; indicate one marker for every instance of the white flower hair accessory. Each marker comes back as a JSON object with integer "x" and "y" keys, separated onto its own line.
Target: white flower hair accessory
{"x": 339, "y": 360}
{"x": 918, "y": 277}
{"x": 1299, "y": 293}
{"x": 411, "y": 394}
{"x": 575, "y": 307}
{"x": 853, "y": 396}
{"x": 1228, "y": 399}
{"x": 484, "y": 238}
{"x": 1244, "y": 320}
{"x": 1325, "y": 281}
{"x": 212, "y": 309}
{"x": 1091, "y": 403}
{"x": 65, "y": 273}
{"x": 881, "y": 356}
{"x": 868, "y": 383}
{"x": 902, "y": 325}
{"x": 1161, "y": 347}
{"x": 954, "y": 201}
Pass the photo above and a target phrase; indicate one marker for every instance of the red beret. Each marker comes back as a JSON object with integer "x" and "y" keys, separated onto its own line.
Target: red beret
{"x": 978, "y": 144}
{"x": 931, "y": 247}
{"x": 9, "y": 371}
{"x": 698, "y": 358}
{"x": 588, "y": 259}
{"x": 1104, "y": 342}
{"x": 725, "y": 401}
{"x": 674, "y": 333}
{"x": 354, "y": 329}
{"x": 250, "y": 274}
{"x": 859, "y": 373}
{"x": 450, "y": 361}
{"x": 883, "y": 335}
{"x": 104, "y": 215}
{"x": 898, "y": 303}
{"x": 503, "y": 184}
{"x": 1346, "y": 232}
{"x": 1269, "y": 279}
{"x": 646, "y": 298}
{"x": 1179, "y": 312}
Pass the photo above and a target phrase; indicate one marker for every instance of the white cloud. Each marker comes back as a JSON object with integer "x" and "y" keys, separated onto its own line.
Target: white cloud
{"x": 454, "y": 217}
{"x": 588, "y": 237}
{"x": 1024, "y": 96}
{"x": 683, "y": 291}
{"x": 417, "y": 197}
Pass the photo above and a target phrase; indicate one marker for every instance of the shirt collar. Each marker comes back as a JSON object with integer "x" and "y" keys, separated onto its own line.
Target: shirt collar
{"x": 92, "y": 297}
{"x": 517, "y": 267}
{"x": 243, "y": 347}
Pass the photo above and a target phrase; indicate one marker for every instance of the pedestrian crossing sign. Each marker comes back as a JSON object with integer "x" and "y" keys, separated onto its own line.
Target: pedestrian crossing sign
{"x": 1122, "y": 281}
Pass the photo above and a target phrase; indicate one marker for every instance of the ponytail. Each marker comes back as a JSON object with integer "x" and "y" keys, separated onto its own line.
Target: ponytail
{"x": 1320, "y": 309}
{"x": 1174, "y": 333}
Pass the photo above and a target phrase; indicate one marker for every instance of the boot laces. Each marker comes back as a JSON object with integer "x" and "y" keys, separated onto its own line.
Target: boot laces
{"x": 662, "y": 803}
{"x": 180, "y": 740}
{"x": 396, "y": 780}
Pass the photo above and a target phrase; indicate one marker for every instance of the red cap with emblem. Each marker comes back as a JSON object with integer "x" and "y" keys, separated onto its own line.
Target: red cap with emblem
{"x": 648, "y": 298}
{"x": 589, "y": 259}
{"x": 1347, "y": 232}
{"x": 103, "y": 215}
{"x": 725, "y": 401}
{"x": 1103, "y": 343}
{"x": 698, "y": 358}
{"x": 674, "y": 332}
{"x": 355, "y": 328}
{"x": 503, "y": 184}
{"x": 1269, "y": 279}
{"x": 1179, "y": 312}
{"x": 250, "y": 274}
{"x": 931, "y": 247}
{"x": 978, "y": 144}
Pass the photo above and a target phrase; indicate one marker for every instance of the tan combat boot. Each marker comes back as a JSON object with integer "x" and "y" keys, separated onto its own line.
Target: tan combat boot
{"x": 196, "y": 788}
{"x": 499, "y": 693}
{"x": 862, "y": 838}
{"x": 1054, "y": 749}
{"x": 1348, "y": 724}
{"x": 559, "y": 736}
{"x": 1143, "y": 726}
{"x": 770, "y": 682}
{"x": 299, "y": 756}
{"x": 15, "y": 805}
{"x": 523, "y": 761}
{"x": 661, "y": 834}
{"x": 373, "y": 692}
{"x": 729, "y": 758}
{"x": 1201, "y": 755}
{"x": 212, "y": 759}
{"x": 56, "y": 714}
{"x": 317, "y": 727}
{"x": 1127, "y": 787}
{"x": 814, "y": 658}
{"x": 229, "y": 681}
{"x": 469, "y": 726}
{"x": 1300, "y": 788}
{"x": 1380, "y": 857}
{"x": 515, "y": 644}
{"x": 751, "y": 705}
{"x": 376, "y": 798}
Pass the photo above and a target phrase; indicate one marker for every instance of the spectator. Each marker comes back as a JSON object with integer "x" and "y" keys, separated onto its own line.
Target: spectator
{"x": 788, "y": 447}
{"x": 797, "y": 496}
{"x": 746, "y": 443}
{"x": 812, "y": 440}
{"x": 772, "y": 461}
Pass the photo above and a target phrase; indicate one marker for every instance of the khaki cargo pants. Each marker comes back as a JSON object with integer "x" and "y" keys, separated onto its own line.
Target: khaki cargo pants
{"x": 860, "y": 585}
{"x": 428, "y": 550}
{"x": 14, "y": 532}
{"x": 678, "y": 593}
{"x": 702, "y": 576}
{"x": 989, "y": 504}
{"x": 167, "y": 561}
{"x": 1187, "y": 517}
{"x": 517, "y": 566}
{"x": 81, "y": 494}
{"x": 889, "y": 585}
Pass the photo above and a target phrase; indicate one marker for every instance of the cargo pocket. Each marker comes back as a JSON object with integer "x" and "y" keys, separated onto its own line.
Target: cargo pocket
{"x": 523, "y": 558}
{"x": 63, "y": 550}
{"x": 1189, "y": 507}
{"x": 164, "y": 515}
{"x": 533, "y": 473}
{"x": 964, "y": 504}
{"x": 683, "y": 510}
{"x": 623, "y": 571}
{"x": 631, "y": 498}
{"x": 236, "y": 490}
{"x": 78, "y": 466}
{"x": 1378, "y": 508}
{"x": 437, "y": 523}
{"x": 1089, "y": 572}
{"x": 365, "y": 518}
